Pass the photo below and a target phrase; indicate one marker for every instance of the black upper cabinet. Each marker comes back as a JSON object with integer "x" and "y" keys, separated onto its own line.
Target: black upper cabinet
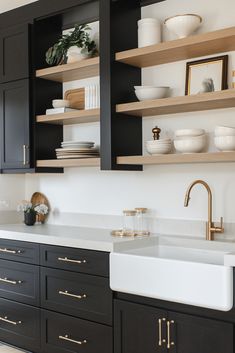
{"x": 15, "y": 58}
{"x": 15, "y": 124}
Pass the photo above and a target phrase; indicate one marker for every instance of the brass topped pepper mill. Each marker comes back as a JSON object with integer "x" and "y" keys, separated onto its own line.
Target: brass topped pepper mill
{"x": 156, "y": 133}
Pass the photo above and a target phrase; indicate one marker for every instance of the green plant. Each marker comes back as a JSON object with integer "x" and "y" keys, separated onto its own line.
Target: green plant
{"x": 57, "y": 54}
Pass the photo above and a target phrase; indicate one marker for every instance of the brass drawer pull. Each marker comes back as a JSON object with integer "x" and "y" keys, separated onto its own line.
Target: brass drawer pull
{"x": 65, "y": 259}
{"x": 66, "y": 293}
{"x": 169, "y": 342}
{"x": 8, "y": 251}
{"x": 160, "y": 340}
{"x": 5, "y": 319}
{"x": 66, "y": 338}
{"x": 6, "y": 280}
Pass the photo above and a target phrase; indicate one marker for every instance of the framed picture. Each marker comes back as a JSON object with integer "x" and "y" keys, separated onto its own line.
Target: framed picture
{"x": 207, "y": 75}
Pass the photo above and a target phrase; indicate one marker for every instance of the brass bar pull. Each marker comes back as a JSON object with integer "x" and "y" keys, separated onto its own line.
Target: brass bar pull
{"x": 6, "y": 280}
{"x": 25, "y": 148}
{"x": 5, "y": 319}
{"x": 169, "y": 342}
{"x": 66, "y": 293}
{"x": 8, "y": 251}
{"x": 65, "y": 259}
{"x": 66, "y": 338}
{"x": 160, "y": 340}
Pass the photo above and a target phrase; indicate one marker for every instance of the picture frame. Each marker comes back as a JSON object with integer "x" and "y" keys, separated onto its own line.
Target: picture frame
{"x": 206, "y": 75}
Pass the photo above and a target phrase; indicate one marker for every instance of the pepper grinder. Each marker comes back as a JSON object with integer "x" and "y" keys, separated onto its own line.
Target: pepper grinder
{"x": 156, "y": 133}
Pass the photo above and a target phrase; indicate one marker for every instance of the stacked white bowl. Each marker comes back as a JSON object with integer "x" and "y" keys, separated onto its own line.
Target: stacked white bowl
{"x": 225, "y": 138}
{"x": 190, "y": 140}
{"x": 156, "y": 147}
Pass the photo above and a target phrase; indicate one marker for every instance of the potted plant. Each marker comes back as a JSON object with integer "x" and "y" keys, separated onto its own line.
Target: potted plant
{"x": 74, "y": 46}
{"x": 31, "y": 211}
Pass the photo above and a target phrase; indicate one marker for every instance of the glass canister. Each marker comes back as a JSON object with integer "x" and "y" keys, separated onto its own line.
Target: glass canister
{"x": 129, "y": 222}
{"x": 149, "y": 32}
{"x": 141, "y": 224}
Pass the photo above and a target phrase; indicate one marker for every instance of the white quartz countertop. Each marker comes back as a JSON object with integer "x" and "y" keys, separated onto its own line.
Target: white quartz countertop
{"x": 75, "y": 237}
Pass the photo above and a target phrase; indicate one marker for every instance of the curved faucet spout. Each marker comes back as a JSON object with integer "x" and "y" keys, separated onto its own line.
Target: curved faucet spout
{"x": 210, "y": 229}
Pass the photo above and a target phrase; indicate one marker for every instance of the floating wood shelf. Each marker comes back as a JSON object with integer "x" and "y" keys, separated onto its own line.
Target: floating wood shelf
{"x": 69, "y": 118}
{"x": 70, "y": 72}
{"x": 181, "y": 49}
{"x": 173, "y": 105}
{"x": 215, "y": 157}
{"x": 69, "y": 163}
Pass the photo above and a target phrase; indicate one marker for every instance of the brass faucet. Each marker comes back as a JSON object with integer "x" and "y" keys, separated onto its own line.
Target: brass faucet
{"x": 210, "y": 228}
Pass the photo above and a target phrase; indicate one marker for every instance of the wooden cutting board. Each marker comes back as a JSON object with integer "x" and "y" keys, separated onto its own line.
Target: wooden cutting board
{"x": 76, "y": 98}
{"x": 36, "y": 199}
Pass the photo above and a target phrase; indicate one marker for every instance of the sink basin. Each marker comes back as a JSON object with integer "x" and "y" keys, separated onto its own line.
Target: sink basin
{"x": 174, "y": 273}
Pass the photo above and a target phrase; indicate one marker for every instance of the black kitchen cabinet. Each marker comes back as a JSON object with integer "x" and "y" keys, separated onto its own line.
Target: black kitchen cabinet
{"x": 15, "y": 115}
{"x": 15, "y": 58}
{"x": 140, "y": 328}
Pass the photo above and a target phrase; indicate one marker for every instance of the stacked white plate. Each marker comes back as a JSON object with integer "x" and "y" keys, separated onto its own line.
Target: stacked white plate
{"x": 190, "y": 140}
{"x": 225, "y": 138}
{"x": 162, "y": 146}
{"x": 77, "y": 150}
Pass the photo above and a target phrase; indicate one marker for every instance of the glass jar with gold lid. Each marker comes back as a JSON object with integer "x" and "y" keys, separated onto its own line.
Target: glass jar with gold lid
{"x": 141, "y": 222}
{"x": 129, "y": 217}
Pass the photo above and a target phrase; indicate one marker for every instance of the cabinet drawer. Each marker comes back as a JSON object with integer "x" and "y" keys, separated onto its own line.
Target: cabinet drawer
{"x": 20, "y": 325}
{"x": 19, "y": 251}
{"x": 19, "y": 282}
{"x": 77, "y": 260}
{"x": 85, "y": 296}
{"x": 63, "y": 334}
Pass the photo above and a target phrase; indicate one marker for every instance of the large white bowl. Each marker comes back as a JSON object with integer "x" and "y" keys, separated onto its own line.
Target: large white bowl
{"x": 60, "y": 103}
{"x": 189, "y": 132}
{"x": 147, "y": 92}
{"x": 183, "y": 25}
{"x": 225, "y": 143}
{"x": 224, "y": 131}
{"x": 191, "y": 144}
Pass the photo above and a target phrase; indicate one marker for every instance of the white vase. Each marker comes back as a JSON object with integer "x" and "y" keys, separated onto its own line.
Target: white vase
{"x": 149, "y": 32}
{"x": 75, "y": 54}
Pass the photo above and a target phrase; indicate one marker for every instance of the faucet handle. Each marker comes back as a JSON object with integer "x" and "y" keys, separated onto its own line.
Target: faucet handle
{"x": 221, "y": 228}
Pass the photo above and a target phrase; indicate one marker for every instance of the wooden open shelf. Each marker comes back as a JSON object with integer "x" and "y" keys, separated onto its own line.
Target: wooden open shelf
{"x": 215, "y": 157}
{"x": 173, "y": 105}
{"x": 69, "y": 163}
{"x": 70, "y": 72}
{"x": 70, "y": 118}
{"x": 181, "y": 49}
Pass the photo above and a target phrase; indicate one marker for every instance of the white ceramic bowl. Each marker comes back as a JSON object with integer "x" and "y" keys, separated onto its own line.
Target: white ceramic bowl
{"x": 224, "y": 131}
{"x": 190, "y": 144}
{"x": 147, "y": 92}
{"x": 225, "y": 143}
{"x": 183, "y": 25}
{"x": 161, "y": 149}
{"x": 189, "y": 132}
{"x": 60, "y": 103}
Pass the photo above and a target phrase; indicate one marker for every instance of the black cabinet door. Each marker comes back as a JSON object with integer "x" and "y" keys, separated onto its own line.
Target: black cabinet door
{"x": 19, "y": 251}
{"x": 139, "y": 329}
{"x": 15, "y": 57}
{"x": 15, "y": 124}
{"x": 191, "y": 334}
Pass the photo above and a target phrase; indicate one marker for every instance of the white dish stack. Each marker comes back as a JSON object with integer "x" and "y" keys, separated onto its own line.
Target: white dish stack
{"x": 190, "y": 140}
{"x": 225, "y": 138}
{"x": 92, "y": 96}
{"x": 156, "y": 147}
{"x": 77, "y": 150}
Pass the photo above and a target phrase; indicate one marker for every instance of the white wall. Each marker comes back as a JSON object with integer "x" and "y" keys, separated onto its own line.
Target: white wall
{"x": 161, "y": 188}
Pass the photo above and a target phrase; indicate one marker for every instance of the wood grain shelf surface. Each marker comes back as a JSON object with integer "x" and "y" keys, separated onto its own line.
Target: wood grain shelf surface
{"x": 70, "y": 72}
{"x": 181, "y": 49}
{"x": 173, "y": 105}
{"x": 70, "y": 118}
{"x": 69, "y": 163}
{"x": 215, "y": 157}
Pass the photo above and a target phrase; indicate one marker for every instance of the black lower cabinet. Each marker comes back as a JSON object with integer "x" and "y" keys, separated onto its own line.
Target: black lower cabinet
{"x": 20, "y": 325}
{"x": 139, "y": 328}
{"x": 64, "y": 334}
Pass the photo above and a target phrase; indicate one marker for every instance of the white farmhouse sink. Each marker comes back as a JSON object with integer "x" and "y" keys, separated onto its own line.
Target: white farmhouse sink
{"x": 174, "y": 273}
